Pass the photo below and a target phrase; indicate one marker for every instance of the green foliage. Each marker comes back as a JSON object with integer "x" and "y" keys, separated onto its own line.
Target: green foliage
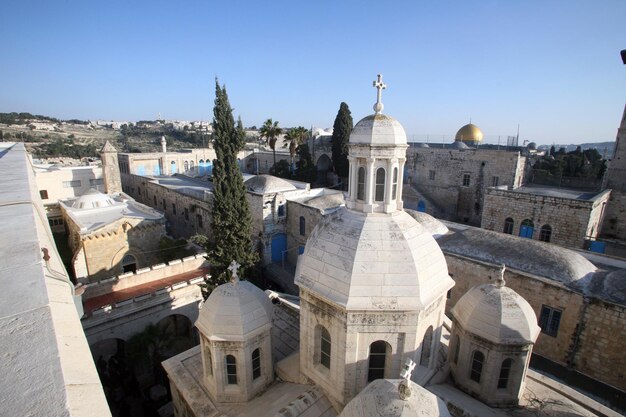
{"x": 24, "y": 118}
{"x": 231, "y": 220}
{"x": 341, "y": 136}
{"x": 305, "y": 168}
{"x": 281, "y": 169}
{"x": 295, "y": 137}
{"x": 66, "y": 147}
{"x": 578, "y": 163}
{"x": 270, "y": 131}
{"x": 170, "y": 249}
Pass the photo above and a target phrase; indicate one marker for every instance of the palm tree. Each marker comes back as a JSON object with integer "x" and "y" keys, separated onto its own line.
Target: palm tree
{"x": 296, "y": 137}
{"x": 270, "y": 131}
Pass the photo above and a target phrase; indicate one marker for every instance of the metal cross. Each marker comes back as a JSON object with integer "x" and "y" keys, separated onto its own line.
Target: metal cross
{"x": 380, "y": 86}
{"x": 234, "y": 266}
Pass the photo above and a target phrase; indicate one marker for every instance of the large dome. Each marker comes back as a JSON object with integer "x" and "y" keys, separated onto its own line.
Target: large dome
{"x": 266, "y": 184}
{"x": 378, "y": 129}
{"x": 93, "y": 199}
{"x": 234, "y": 310}
{"x": 381, "y": 398}
{"x": 498, "y": 314}
{"x": 469, "y": 133}
{"x": 373, "y": 262}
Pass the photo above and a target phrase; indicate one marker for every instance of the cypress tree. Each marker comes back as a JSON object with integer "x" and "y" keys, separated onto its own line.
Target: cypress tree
{"x": 341, "y": 136}
{"x": 231, "y": 221}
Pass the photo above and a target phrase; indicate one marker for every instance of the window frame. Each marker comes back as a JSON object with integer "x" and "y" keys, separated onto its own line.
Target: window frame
{"x": 325, "y": 347}
{"x": 379, "y": 186}
{"x": 505, "y": 373}
{"x": 476, "y": 366}
{"x": 545, "y": 233}
{"x": 431, "y": 174}
{"x": 550, "y": 320}
{"x": 256, "y": 364}
{"x": 467, "y": 178}
{"x": 360, "y": 184}
{"x": 302, "y": 224}
{"x": 231, "y": 370}
{"x": 508, "y": 226}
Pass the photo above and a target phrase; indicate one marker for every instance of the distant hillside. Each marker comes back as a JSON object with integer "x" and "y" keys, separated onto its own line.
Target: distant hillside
{"x": 606, "y": 149}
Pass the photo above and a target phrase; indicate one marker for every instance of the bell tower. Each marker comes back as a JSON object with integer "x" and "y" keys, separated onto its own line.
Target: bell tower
{"x": 110, "y": 169}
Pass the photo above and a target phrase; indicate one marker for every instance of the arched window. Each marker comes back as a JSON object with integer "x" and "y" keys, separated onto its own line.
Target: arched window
{"x": 186, "y": 165}
{"x": 360, "y": 186}
{"x": 191, "y": 165}
{"x": 302, "y": 226}
{"x": 546, "y": 233}
{"x": 457, "y": 347}
{"x": 426, "y": 346}
{"x": 231, "y": 370}
{"x": 508, "y": 226}
{"x": 505, "y": 370}
{"x": 378, "y": 360}
{"x": 325, "y": 347}
{"x": 256, "y": 363}
{"x": 477, "y": 365}
{"x": 208, "y": 364}
{"x": 380, "y": 185}
{"x": 394, "y": 186}
{"x": 155, "y": 203}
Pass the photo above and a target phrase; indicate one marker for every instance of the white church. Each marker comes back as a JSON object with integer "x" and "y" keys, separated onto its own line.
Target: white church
{"x": 373, "y": 339}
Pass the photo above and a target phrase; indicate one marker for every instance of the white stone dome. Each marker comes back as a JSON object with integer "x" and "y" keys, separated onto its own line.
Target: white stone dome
{"x": 498, "y": 314}
{"x": 266, "y": 184}
{"x": 373, "y": 262}
{"x": 378, "y": 129}
{"x": 93, "y": 199}
{"x": 233, "y": 311}
{"x": 381, "y": 398}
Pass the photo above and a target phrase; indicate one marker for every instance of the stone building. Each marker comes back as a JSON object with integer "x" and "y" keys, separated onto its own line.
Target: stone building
{"x": 562, "y": 216}
{"x": 615, "y": 224}
{"x": 455, "y": 178}
{"x": 493, "y": 330}
{"x": 190, "y": 161}
{"x": 111, "y": 234}
{"x": 581, "y": 305}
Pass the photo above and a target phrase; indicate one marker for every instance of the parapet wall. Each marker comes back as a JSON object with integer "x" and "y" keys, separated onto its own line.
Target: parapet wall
{"x": 145, "y": 275}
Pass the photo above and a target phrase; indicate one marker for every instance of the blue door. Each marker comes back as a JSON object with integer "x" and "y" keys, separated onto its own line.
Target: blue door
{"x": 526, "y": 231}
{"x": 421, "y": 206}
{"x": 156, "y": 170}
{"x": 595, "y": 246}
{"x": 279, "y": 245}
{"x": 173, "y": 169}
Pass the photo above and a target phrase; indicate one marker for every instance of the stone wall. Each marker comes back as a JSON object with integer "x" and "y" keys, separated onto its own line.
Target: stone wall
{"x": 571, "y": 221}
{"x": 588, "y": 337}
{"x": 186, "y": 216}
{"x": 438, "y": 173}
{"x": 312, "y": 216}
{"x": 614, "y": 225}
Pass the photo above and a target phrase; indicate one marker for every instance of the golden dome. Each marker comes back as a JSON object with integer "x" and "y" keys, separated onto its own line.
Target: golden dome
{"x": 469, "y": 133}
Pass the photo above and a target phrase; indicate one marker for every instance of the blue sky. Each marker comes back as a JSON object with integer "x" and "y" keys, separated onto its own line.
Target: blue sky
{"x": 551, "y": 66}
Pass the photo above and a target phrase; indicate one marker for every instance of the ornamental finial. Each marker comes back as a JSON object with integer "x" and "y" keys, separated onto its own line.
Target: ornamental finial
{"x": 380, "y": 86}
{"x": 500, "y": 281}
{"x": 234, "y": 266}
{"x": 404, "y": 388}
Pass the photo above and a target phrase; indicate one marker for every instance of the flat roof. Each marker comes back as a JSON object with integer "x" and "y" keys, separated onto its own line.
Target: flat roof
{"x": 558, "y": 192}
{"x": 46, "y": 363}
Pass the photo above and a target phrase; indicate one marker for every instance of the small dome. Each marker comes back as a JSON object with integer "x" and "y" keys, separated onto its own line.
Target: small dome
{"x": 93, "y": 199}
{"x": 498, "y": 314}
{"x": 372, "y": 262}
{"x": 434, "y": 226}
{"x": 421, "y": 145}
{"x": 459, "y": 145}
{"x": 532, "y": 146}
{"x": 378, "y": 129}
{"x": 266, "y": 184}
{"x": 235, "y": 310}
{"x": 381, "y": 398}
{"x": 469, "y": 133}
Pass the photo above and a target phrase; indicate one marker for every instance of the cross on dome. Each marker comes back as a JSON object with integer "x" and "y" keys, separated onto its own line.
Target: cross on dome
{"x": 500, "y": 280}
{"x": 380, "y": 86}
{"x": 234, "y": 266}
{"x": 404, "y": 388}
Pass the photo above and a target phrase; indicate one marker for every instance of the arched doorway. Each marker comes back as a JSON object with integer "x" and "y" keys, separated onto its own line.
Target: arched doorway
{"x": 173, "y": 169}
{"x": 323, "y": 166}
{"x": 279, "y": 245}
{"x": 427, "y": 347}
{"x": 129, "y": 263}
{"x": 526, "y": 229}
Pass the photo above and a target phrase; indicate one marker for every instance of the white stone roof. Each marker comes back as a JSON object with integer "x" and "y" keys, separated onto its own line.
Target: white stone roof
{"x": 373, "y": 261}
{"x": 378, "y": 129}
{"x": 92, "y": 199}
{"x": 434, "y": 226}
{"x": 538, "y": 258}
{"x": 265, "y": 184}
{"x": 381, "y": 399}
{"x": 235, "y": 310}
{"x": 497, "y": 314}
